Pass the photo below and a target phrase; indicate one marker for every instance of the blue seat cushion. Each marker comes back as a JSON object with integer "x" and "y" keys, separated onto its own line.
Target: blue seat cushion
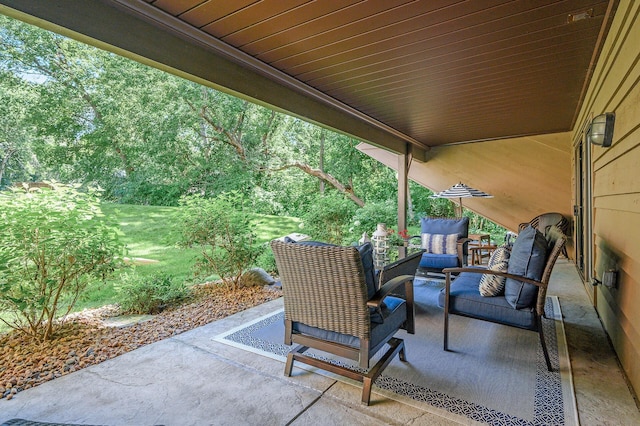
{"x": 366, "y": 254}
{"x": 393, "y": 315}
{"x": 465, "y": 299}
{"x": 438, "y": 261}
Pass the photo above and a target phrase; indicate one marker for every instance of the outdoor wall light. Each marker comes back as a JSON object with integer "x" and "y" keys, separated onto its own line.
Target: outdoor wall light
{"x": 600, "y": 130}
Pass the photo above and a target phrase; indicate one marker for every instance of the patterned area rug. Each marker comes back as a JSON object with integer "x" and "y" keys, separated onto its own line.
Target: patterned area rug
{"x": 493, "y": 374}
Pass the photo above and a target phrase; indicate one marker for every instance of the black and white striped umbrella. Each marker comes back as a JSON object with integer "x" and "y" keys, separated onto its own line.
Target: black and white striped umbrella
{"x": 460, "y": 191}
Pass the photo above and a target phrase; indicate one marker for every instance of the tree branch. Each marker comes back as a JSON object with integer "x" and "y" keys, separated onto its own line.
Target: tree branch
{"x": 331, "y": 180}
{"x": 230, "y": 138}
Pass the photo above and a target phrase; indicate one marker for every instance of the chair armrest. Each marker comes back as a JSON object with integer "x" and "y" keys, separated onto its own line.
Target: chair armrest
{"x": 491, "y": 272}
{"x": 462, "y": 259}
{"x": 404, "y": 266}
{"x": 387, "y": 288}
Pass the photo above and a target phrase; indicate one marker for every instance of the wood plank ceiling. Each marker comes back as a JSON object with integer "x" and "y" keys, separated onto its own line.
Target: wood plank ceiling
{"x": 438, "y": 71}
{"x": 390, "y": 72}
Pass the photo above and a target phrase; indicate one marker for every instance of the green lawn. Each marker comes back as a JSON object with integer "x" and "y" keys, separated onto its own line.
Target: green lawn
{"x": 150, "y": 233}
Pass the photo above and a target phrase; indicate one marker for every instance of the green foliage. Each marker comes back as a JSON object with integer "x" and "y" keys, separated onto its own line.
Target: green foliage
{"x": 223, "y": 232}
{"x": 54, "y": 241}
{"x": 267, "y": 260}
{"x": 150, "y": 294}
{"x": 17, "y": 161}
{"x": 366, "y": 218}
{"x": 152, "y": 234}
{"x": 482, "y": 225}
{"x": 424, "y": 205}
{"x": 328, "y": 218}
{"x": 79, "y": 114}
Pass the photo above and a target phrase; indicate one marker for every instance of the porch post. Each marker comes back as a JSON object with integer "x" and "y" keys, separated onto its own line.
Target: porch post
{"x": 404, "y": 162}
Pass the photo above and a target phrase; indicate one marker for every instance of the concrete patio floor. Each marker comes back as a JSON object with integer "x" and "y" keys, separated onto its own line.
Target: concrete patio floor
{"x": 191, "y": 379}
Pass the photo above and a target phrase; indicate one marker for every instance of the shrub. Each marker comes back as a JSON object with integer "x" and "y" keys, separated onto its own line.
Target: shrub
{"x": 54, "y": 241}
{"x": 150, "y": 295}
{"x": 328, "y": 218}
{"x": 366, "y": 218}
{"x": 267, "y": 260}
{"x": 224, "y": 233}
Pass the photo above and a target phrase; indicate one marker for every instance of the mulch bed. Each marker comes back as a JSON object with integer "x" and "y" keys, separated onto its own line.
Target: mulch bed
{"x": 85, "y": 340}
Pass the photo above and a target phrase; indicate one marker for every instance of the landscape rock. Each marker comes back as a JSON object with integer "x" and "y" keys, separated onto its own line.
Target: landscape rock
{"x": 256, "y": 277}
{"x": 85, "y": 339}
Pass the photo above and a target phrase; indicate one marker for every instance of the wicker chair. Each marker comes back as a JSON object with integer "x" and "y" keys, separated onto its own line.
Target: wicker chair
{"x": 545, "y": 221}
{"x": 331, "y": 304}
{"x": 462, "y": 296}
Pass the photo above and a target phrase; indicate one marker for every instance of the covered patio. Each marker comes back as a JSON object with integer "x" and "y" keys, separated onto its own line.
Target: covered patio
{"x": 453, "y": 91}
{"x": 499, "y": 94}
{"x": 192, "y": 379}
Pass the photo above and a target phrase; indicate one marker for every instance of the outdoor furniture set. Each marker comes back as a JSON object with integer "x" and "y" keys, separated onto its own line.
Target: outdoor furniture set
{"x": 336, "y": 302}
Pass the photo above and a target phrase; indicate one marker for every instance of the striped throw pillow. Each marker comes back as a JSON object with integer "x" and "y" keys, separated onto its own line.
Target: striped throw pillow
{"x": 493, "y": 285}
{"x": 440, "y": 243}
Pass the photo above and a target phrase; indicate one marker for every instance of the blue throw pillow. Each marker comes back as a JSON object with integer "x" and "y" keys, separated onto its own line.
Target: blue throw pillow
{"x": 366, "y": 254}
{"x": 528, "y": 258}
{"x": 440, "y": 244}
{"x": 445, "y": 226}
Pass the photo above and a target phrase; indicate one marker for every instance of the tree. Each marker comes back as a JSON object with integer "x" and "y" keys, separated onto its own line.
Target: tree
{"x": 16, "y": 132}
{"x": 249, "y": 130}
{"x": 53, "y": 242}
{"x": 224, "y": 233}
{"x": 328, "y": 219}
{"x": 100, "y": 118}
{"x": 148, "y": 137}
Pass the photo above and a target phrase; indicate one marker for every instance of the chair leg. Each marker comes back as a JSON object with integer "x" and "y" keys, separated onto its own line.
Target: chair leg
{"x": 446, "y": 311}
{"x": 446, "y": 329}
{"x": 402, "y": 354}
{"x": 290, "y": 358}
{"x": 366, "y": 390}
{"x": 544, "y": 345}
{"x": 396, "y": 346}
{"x": 410, "y": 323}
{"x": 289, "y": 365}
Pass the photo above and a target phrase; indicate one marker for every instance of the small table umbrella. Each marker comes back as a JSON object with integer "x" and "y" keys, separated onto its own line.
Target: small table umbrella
{"x": 460, "y": 191}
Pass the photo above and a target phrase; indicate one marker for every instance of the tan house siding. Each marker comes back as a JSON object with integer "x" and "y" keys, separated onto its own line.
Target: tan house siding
{"x": 616, "y": 185}
{"x": 527, "y": 176}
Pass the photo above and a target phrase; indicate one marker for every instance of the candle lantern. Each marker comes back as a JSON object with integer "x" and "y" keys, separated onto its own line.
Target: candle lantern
{"x": 380, "y": 241}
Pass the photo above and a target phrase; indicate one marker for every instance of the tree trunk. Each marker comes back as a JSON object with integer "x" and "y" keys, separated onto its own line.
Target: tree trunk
{"x": 322, "y": 159}
{"x": 5, "y": 160}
